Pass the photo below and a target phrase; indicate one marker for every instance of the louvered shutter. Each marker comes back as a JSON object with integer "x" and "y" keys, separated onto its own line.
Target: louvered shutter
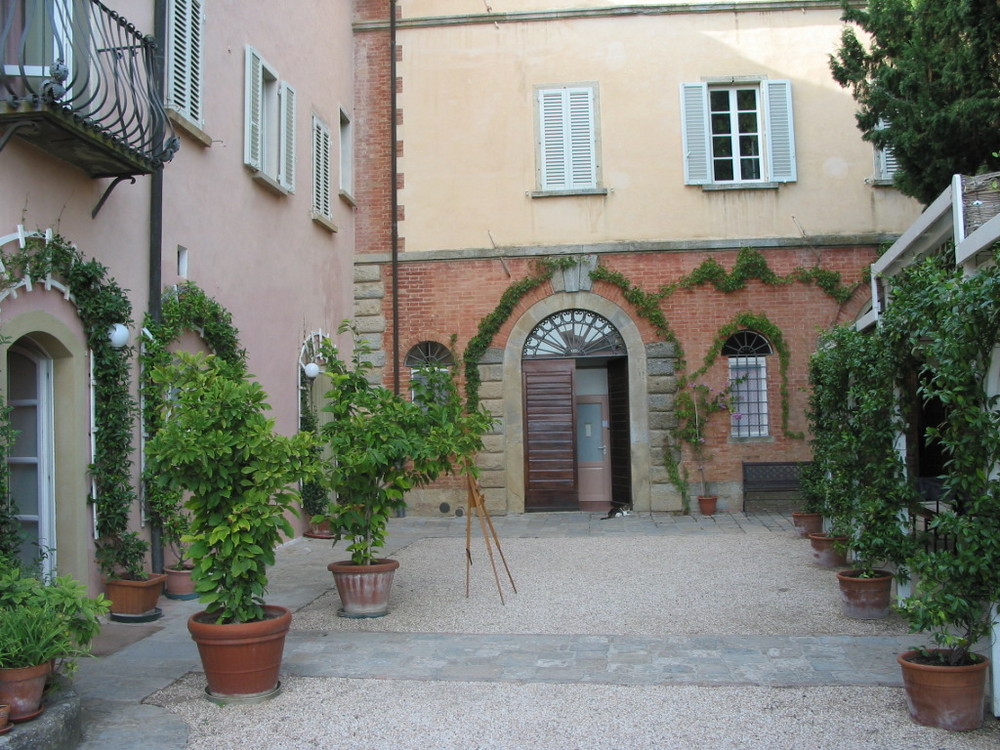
{"x": 777, "y": 97}
{"x": 567, "y": 150}
{"x": 253, "y": 146}
{"x": 185, "y": 57}
{"x": 286, "y": 135}
{"x": 695, "y": 134}
{"x": 321, "y": 169}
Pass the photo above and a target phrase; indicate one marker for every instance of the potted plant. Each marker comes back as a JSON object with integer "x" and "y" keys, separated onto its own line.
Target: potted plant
{"x": 132, "y": 590}
{"x": 947, "y": 324}
{"x": 695, "y": 406}
{"x": 43, "y": 626}
{"x": 314, "y": 494}
{"x": 383, "y": 445}
{"x": 217, "y": 444}
{"x": 166, "y": 510}
{"x": 809, "y": 519}
{"x": 856, "y": 418}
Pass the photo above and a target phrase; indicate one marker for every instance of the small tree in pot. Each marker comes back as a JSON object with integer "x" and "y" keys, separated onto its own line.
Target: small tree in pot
{"x": 217, "y": 444}
{"x": 383, "y": 445}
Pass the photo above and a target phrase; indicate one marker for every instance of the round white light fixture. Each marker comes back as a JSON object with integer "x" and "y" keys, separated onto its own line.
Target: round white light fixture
{"x": 311, "y": 370}
{"x": 119, "y": 335}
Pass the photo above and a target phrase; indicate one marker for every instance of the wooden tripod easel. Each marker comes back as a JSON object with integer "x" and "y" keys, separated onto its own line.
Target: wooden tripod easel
{"x": 477, "y": 503}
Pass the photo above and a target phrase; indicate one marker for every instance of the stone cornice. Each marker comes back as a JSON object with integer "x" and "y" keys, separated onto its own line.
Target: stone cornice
{"x": 663, "y": 9}
{"x": 609, "y": 248}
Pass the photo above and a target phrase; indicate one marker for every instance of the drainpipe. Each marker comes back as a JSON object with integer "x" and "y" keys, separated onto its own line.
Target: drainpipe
{"x": 156, "y": 231}
{"x": 394, "y": 173}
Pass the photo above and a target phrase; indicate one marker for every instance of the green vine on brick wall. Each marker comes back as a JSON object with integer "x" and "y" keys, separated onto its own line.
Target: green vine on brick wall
{"x": 185, "y": 307}
{"x": 100, "y": 303}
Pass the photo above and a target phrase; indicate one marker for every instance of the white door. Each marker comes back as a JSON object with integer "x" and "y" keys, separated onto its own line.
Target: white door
{"x": 29, "y": 395}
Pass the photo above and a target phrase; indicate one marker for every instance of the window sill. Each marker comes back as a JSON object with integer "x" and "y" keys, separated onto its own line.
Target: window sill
{"x": 745, "y": 440}
{"x": 348, "y": 199}
{"x": 268, "y": 182}
{"x": 874, "y": 182}
{"x": 187, "y": 127}
{"x": 323, "y": 221}
{"x": 712, "y": 187}
{"x": 564, "y": 193}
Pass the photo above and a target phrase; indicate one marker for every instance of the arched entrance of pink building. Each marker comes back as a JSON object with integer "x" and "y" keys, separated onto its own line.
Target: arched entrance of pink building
{"x": 577, "y": 450}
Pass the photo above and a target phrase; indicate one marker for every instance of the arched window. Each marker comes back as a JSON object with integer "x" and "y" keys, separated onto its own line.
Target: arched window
{"x": 747, "y": 352}
{"x": 427, "y": 355}
{"x": 574, "y": 333}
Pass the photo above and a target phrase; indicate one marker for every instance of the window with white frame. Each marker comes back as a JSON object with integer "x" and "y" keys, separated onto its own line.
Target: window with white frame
{"x": 322, "y": 208}
{"x": 269, "y": 124}
{"x": 425, "y": 357}
{"x": 738, "y": 133}
{"x": 747, "y": 352}
{"x": 346, "y": 156}
{"x": 567, "y": 139}
{"x": 185, "y": 59}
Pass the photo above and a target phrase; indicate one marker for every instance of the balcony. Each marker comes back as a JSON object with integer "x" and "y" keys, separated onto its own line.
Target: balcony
{"x": 77, "y": 80}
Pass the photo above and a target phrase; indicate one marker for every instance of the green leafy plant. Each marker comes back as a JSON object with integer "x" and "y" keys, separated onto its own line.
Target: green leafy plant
{"x": 695, "y": 406}
{"x": 945, "y": 324}
{"x": 856, "y": 417}
{"x": 44, "y": 620}
{"x": 383, "y": 445}
{"x": 218, "y": 444}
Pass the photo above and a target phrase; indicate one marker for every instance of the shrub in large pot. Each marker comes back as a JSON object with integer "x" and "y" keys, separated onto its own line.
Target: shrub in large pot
{"x": 856, "y": 418}
{"x": 43, "y": 626}
{"x": 217, "y": 444}
{"x": 945, "y": 325}
{"x": 382, "y": 445}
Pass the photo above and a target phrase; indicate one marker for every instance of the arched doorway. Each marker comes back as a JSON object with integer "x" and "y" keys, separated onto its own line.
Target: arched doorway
{"x": 577, "y": 445}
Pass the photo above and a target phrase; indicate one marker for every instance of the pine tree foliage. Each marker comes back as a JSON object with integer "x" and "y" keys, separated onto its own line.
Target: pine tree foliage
{"x": 926, "y": 77}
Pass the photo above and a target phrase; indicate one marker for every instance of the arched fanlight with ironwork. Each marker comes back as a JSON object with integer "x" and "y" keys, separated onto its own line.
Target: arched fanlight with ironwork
{"x": 746, "y": 344}
{"x": 429, "y": 354}
{"x": 574, "y": 333}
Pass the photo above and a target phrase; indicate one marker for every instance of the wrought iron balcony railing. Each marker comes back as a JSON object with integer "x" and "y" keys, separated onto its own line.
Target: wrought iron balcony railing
{"x": 77, "y": 81}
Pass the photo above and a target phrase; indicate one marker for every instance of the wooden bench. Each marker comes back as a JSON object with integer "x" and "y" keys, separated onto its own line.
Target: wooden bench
{"x": 771, "y": 479}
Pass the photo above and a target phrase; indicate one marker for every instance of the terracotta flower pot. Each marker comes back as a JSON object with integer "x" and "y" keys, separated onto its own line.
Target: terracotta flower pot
{"x": 22, "y": 690}
{"x": 363, "y": 589}
{"x": 179, "y": 584}
{"x": 865, "y": 598}
{"x": 807, "y": 523}
{"x": 134, "y": 599}
{"x": 242, "y": 660}
{"x": 945, "y": 697}
{"x": 707, "y": 504}
{"x": 319, "y": 531}
{"x": 825, "y": 550}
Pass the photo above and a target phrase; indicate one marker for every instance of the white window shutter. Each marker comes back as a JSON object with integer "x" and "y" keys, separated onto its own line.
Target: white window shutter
{"x": 253, "y": 121}
{"x": 552, "y": 139}
{"x": 781, "y": 130}
{"x": 695, "y": 134}
{"x": 580, "y": 116}
{"x": 321, "y": 169}
{"x": 286, "y": 135}
{"x": 185, "y": 57}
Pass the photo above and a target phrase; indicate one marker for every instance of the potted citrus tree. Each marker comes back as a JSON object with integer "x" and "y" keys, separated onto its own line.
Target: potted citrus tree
{"x": 217, "y": 444}
{"x": 381, "y": 446}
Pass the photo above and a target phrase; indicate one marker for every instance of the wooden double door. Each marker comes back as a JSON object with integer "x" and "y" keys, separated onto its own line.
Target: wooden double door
{"x": 577, "y": 447}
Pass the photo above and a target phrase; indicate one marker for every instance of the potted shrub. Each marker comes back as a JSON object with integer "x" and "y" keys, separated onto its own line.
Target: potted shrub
{"x": 132, "y": 590}
{"x": 695, "y": 406}
{"x": 381, "y": 446}
{"x": 856, "y": 418}
{"x": 948, "y": 324}
{"x": 42, "y": 626}
{"x": 314, "y": 494}
{"x": 217, "y": 444}
{"x": 167, "y": 511}
{"x": 809, "y": 520}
